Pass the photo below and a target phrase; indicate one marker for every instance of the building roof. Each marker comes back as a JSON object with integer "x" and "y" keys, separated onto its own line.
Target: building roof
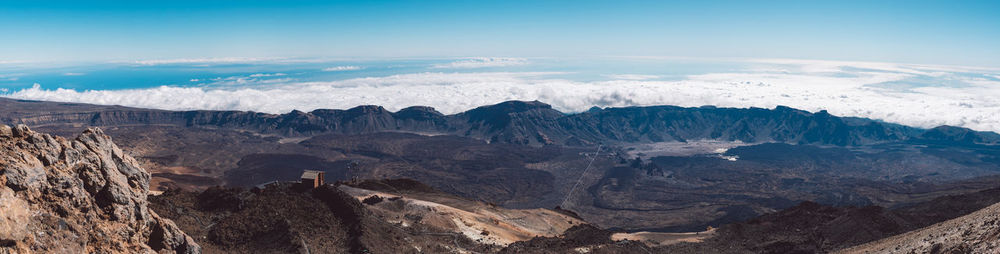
{"x": 311, "y": 174}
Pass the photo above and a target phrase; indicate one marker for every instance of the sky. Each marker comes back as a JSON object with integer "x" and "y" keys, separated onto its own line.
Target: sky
{"x": 919, "y": 63}
{"x": 924, "y": 32}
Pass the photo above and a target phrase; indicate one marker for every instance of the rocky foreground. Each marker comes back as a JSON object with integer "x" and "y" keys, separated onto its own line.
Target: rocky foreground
{"x": 77, "y": 196}
{"x": 978, "y": 232}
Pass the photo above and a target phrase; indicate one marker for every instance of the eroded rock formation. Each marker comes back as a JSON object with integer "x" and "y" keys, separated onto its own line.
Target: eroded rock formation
{"x": 77, "y": 196}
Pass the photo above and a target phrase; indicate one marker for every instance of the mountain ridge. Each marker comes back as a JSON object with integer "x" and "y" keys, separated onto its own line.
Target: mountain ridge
{"x": 520, "y": 122}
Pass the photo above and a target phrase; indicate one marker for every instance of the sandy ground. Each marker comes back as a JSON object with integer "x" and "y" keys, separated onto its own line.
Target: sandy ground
{"x": 155, "y": 181}
{"x": 478, "y": 221}
{"x": 692, "y": 147}
{"x": 662, "y": 239}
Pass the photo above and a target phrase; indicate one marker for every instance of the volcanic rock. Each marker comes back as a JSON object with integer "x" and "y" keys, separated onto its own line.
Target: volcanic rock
{"x": 77, "y": 196}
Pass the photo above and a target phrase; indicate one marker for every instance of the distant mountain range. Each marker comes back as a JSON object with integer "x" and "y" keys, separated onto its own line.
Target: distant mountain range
{"x": 518, "y": 122}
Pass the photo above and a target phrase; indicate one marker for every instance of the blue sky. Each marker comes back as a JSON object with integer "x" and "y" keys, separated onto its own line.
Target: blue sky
{"x": 929, "y": 32}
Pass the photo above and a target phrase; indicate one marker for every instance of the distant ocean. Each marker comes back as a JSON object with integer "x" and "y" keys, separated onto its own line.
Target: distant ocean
{"x": 212, "y": 72}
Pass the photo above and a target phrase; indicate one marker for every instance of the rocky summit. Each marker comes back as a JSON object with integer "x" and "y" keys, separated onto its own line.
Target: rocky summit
{"x": 77, "y": 196}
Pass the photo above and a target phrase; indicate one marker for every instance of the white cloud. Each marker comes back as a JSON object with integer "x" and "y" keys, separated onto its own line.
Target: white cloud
{"x": 483, "y": 62}
{"x": 845, "y": 89}
{"x": 260, "y": 75}
{"x": 631, "y": 76}
{"x": 342, "y": 68}
{"x": 73, "y": 74}
{"x": 258, "y": 79}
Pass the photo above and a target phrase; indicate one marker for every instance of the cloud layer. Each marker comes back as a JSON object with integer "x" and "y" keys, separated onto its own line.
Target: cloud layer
{"x": 483, "y": 62}
{"x": 342, "y": 68}
{"x": 631, "y": 76}
{"x": 908, "y": 94}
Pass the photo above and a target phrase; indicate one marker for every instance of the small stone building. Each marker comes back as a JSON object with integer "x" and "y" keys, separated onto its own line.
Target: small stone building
{"x": 313, "y": 178}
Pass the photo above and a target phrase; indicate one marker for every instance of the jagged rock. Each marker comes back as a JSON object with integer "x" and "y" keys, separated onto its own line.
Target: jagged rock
{"x": 21, "y": 130}
{"x": 26, "y": 175}
{"x": 79, "y": 196}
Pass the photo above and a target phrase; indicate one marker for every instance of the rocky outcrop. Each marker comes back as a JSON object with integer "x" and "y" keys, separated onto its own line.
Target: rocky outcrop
{"x": 77, "y": 196}
{"x": 513, "y": 122}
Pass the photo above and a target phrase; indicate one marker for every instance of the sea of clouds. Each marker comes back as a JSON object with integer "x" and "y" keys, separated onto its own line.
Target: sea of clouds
{"x": 916, "y": 95}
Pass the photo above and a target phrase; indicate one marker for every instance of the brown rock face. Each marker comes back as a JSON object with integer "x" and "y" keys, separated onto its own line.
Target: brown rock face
{"x": 79, "y": 196}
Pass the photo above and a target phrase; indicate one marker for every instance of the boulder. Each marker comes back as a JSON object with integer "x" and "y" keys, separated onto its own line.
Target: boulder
{"x": 20, "y": 131}
{"x": 5, "y": 131}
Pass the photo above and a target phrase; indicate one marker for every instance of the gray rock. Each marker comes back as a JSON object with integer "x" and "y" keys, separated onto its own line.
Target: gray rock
{"x": 91, "y": 193}
{"x": 49, "y": 148}
{"x": 27, "y": 175}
